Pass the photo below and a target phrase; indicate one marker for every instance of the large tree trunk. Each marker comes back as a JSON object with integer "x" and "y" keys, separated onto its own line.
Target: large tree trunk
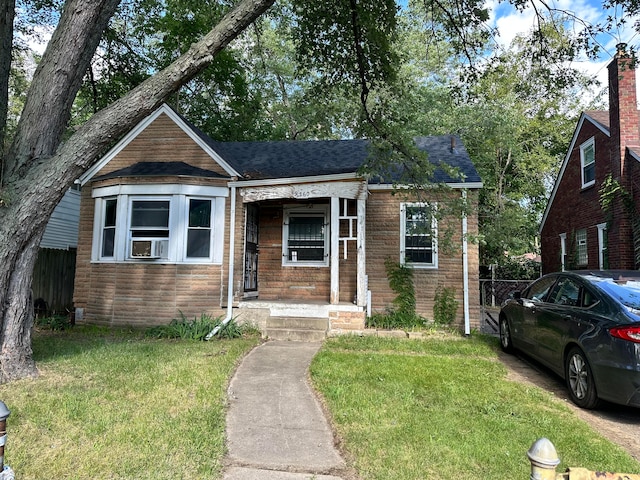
{"x": 7, "y": 13}
{"x": 41, "y": 169}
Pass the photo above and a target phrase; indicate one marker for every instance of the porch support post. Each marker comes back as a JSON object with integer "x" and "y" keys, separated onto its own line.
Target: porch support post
{"x": 362, "y": 257}
{"x": 334, "y": 248}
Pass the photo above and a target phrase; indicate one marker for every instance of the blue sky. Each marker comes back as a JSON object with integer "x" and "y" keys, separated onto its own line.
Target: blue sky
{"x": 510, "y": 23}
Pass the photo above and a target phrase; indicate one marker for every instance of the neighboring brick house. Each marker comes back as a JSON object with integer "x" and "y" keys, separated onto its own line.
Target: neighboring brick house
{"x": 576, "y": 231}
{"x": 172, "y": 221}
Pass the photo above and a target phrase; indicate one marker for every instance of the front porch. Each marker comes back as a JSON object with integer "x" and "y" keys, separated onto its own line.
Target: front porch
{"x": 307, "y": 320}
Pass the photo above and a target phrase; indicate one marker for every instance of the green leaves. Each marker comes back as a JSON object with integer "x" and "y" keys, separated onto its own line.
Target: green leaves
{"x": 347, "y": 42}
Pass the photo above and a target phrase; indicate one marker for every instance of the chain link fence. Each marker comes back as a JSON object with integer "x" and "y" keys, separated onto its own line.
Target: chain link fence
{"x": 492, "y": 293}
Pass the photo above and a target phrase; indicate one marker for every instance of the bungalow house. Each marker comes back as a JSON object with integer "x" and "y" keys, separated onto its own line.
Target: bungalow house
{"x": 588, "y": 222}
{"x": 173, "y": 222}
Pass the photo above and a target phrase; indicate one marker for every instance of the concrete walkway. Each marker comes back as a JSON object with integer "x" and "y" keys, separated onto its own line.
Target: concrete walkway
{"x": 276, "y": 429}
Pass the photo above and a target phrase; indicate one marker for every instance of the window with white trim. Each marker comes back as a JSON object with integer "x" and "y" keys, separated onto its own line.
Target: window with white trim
{"x": 603, "y": 247}
{"x": 581, "y": 242}
{"x": 563, "y": 251}
{"x": 588, "y": 163}
{"x": 199, "y": 228}
{"x": 305, "y": 236}
{"x": 418, "y": 235}
{"x": 181, "y": 224}
{"x": 149, "y": 228}
{"x": 108, "y": 227}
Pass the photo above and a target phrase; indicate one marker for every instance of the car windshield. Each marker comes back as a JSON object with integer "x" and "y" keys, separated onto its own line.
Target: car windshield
{"x": 625, "y": 291}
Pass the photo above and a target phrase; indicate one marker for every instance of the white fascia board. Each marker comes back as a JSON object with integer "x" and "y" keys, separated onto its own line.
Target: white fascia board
{"x": 290, "y": 180}
{"x": 583, "y": 117}
{"x": 129, "y": 137}
{"x": 160, "y": 189}
{"x": 390, "y": 186}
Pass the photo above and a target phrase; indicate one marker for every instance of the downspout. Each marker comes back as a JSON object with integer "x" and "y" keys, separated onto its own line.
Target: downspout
{"x": 465, "y": 266}
{"x": 232, "y": 242}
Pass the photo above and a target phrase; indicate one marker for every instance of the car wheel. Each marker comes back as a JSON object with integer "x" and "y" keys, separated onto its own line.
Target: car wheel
{"x": 582, "y": 388}
{"x": 505, "y": 335}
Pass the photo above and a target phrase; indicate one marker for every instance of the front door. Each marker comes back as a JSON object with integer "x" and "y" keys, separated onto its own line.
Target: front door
{"x": 251, "y": 251}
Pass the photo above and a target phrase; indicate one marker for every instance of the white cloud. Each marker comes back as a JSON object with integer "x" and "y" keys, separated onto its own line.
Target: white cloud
{"x": 510, "y": 23}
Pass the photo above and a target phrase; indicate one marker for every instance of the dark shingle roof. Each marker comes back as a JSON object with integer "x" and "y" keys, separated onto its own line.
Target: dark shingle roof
{"x": 282, "y": 159}
{"x": 161, "y": 169}
{"x": 289, "y": 158}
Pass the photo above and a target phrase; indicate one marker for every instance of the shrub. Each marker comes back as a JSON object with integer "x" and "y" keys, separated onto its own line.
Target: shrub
{"x": 445, "y": 306}
{"x": 199, "y": 328}
{"x": 54, "y": 322}
{"x": 196, "y": 329}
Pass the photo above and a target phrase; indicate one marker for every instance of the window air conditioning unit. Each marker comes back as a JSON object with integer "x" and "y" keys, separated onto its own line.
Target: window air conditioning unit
{"x": 150, "y": 248}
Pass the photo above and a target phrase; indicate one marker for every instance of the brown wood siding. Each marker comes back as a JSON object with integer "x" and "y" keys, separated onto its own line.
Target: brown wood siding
{"x": 162, "y": 141}
{"x": 383, "y": 241}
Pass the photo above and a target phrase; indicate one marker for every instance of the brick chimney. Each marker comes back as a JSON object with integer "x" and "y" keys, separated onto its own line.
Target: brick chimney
{"x": 623, "y": 109}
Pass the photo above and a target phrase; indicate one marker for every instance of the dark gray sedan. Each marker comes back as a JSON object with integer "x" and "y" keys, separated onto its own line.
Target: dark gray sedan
{"x": 585, "y": 326}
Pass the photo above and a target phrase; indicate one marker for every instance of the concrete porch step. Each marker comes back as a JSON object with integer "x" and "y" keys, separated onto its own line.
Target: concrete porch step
{"x": 297, "y": 329}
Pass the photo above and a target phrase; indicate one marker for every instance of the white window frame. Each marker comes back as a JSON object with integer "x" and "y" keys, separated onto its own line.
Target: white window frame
{"x": 434, "y": 236}
{"x": 583, "y": 149}
{"x": 211, "y": 227}
{"x": 300, "y": 211}
{"x": 102, "y": 227}
{"x": 563, "y": 251}
{"x": 130, "y": 238}
{"x": 602, "y": 244}
{"x": 178, "y": 197}
{"x": 582, "y": 252}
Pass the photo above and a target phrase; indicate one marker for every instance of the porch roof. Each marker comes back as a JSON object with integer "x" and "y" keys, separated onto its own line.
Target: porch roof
{"x": 161, "y": 169}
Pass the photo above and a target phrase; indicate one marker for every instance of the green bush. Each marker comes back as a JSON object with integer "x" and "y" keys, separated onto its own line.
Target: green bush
{"x": 199, "y": 328}
{"x": 54, "y": 322}
{"x": 445, "y": 306}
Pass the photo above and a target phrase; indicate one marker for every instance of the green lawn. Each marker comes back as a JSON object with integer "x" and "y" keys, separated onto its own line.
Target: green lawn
{"x": 112, "y": 404}
{"x": 443, "y": 409}
{"x": 116, "y": 405}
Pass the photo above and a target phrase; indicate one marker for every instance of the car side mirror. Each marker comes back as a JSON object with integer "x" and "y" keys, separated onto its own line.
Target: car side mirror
{"x": 516, "y": 295}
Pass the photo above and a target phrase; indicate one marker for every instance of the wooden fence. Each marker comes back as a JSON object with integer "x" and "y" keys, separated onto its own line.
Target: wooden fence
{"x": 53, "y": 278}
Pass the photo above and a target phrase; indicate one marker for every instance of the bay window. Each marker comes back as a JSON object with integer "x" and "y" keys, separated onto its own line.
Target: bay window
{"x": 178, "y": 224}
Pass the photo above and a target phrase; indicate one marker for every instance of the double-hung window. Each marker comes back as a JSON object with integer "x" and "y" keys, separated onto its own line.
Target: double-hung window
{"x": 199, "y": 229}
{"x": 149, "y": 228}
{"x": 305, "y": 237}
{"x": 588, "y": 163}
{"x": 109, "y": 227}
{"x": 418, "y": 235}
{"x": 178, "y": 224}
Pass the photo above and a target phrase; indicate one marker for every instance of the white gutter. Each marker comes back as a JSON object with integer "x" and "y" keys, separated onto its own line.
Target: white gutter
{"x": 458, "y": 185}
{"x": 290, "y": 180}
{"x": 232, "y": 242}
{"x": 465, "y": 267}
